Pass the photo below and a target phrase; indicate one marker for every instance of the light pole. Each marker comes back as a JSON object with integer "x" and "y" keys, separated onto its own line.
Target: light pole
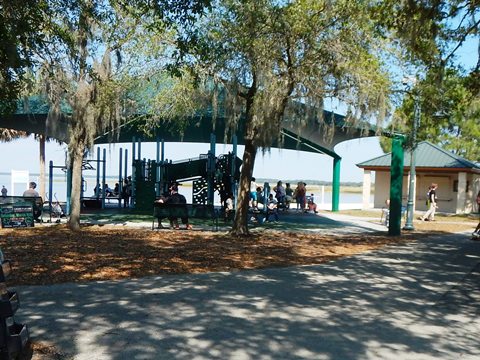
{"x": 411, "y": 187}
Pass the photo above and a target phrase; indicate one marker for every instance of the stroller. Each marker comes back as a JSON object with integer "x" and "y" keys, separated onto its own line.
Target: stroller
{"x": 56, "y": 210}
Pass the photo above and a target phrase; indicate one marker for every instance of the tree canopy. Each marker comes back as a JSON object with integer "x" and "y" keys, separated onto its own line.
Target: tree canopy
{"x": 268, "y": 59}
{"x": 21, "y": 34}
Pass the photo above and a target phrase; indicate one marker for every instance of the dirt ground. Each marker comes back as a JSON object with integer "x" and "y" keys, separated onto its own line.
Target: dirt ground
{"x": 53, "y": 254}
{"x": 46, "y": 255}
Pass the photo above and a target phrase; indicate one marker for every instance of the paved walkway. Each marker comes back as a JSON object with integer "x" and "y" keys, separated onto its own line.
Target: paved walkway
{"x": 415, "y": 301}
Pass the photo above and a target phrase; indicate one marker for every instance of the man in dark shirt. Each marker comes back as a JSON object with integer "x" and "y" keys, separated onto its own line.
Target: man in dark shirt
{"x": 176, "y": 198}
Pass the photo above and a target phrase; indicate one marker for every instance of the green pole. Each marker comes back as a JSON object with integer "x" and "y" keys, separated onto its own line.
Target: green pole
{"x": 69, "y": 187}
{"x": 396, "y": 184}
{"x": 336, "y": 183}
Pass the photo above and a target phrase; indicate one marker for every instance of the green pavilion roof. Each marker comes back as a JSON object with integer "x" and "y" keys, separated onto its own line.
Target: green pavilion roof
{"x": 427, "y": 155}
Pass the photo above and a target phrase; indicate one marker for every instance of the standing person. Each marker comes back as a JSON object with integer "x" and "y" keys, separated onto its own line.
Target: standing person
{"x": 300, "y": 194}
{"x": 476, "y": 233}
{"x": 253, "y": 193}
{"x": 4, "y": 191}
{"x": 280, "y": 193}
{"x": 288, "y": 195}
{"x": 126, "y": 192}
{"x": 432, "y": 197}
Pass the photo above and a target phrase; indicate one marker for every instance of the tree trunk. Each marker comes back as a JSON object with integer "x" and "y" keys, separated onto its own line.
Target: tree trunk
{"x": 77, "y": 158}
{"x": 41, "y": 141}
{"x": 240, "y": 223}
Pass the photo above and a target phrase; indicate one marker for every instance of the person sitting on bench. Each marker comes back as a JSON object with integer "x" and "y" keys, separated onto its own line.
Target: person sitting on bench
{"x": 272, "y": 208}
{"x": 176, "y": 198}
{"x": 32, "y": 193}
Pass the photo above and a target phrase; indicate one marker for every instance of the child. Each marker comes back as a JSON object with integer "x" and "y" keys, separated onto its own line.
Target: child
{"x": 311, "y": 204}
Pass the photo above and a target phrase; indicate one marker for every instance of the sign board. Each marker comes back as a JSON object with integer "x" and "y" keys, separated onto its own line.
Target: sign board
{"x": 19, "y": 177}
{"x": 17, "y": 215}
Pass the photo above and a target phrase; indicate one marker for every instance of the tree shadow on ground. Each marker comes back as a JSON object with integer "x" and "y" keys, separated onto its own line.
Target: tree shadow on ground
{"x": 386, "y": 304}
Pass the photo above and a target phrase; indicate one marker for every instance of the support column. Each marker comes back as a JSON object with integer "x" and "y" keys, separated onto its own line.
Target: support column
{"x": 104, "y": 169}
{"x": 462, "y": 193}
{"x": 120, "y": 183}
{"x": 211, "y": 170}
{"x": 50, "y": 187}
{"x": 233, "y": 169}
{"x": 367, "y": 184}
{"x": 97, "y": 185}
{"x": 69, "y": 187}
{"x": 396, "y": 184}
{"x": 336, "y": 183}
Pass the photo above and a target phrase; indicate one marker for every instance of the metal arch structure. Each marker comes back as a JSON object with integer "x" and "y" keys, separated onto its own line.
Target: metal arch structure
{"x": 309, "y": 136}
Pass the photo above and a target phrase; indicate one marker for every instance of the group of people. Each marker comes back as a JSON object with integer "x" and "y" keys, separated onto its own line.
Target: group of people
{"x": 125, "y": 192}
{"x": 281, "y": 198}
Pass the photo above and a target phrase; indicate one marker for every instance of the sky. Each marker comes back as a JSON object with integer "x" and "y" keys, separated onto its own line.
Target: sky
{"x": 278, "y": 164}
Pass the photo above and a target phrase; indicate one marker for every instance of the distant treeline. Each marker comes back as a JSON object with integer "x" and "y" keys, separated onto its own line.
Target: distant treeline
{"x": 309, "y": 182}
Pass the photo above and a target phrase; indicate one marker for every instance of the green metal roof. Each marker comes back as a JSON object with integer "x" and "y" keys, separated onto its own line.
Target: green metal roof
{"x": 427, "y": 155}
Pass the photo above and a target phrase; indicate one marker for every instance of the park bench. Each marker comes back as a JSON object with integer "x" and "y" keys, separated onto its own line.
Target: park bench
{"x": 13, "y": 336}
{"x": 192, "y": 211}
{"x": 18, "y": 201}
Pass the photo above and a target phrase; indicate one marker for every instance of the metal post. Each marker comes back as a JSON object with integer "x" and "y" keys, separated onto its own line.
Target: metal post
{"x": 133, "y": 150}
{"x": 97, "y": 186}
{"x": 132, "y": 184}
{"x": 139, "y": 144}
{"x": 50, "y": 187}
{"x": 104, "y": 168}
{"x": 69, "y": 187}
{"x": 211, "y": 170}
{"x": 396, "y": 184}
{"x": 120, "y": 184}
{"x": 213, "y": 141}
{"x": 126, "y": 164}
{"x": 163, "y": 151}
{"x": 413, "y": 175}
{"x": 336, "y": 183}
{"x": 233, "y": 169}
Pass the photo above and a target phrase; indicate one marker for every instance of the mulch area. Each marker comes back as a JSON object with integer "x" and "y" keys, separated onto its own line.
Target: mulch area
{"x": 54, "y": 254}
{"x": 47, "y": 255}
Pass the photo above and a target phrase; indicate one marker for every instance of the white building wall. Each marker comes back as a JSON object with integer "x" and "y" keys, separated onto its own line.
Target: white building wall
{"x": 446, "y": 194}
{"x": 367, "y": 186}
{"x": 382, "y": 189}
{"x": 461, "y": 193}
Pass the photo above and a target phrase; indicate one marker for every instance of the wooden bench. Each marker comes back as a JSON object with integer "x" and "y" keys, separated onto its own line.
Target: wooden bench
{"x": 191, "y": 211}
{"x": 36, "y": 201}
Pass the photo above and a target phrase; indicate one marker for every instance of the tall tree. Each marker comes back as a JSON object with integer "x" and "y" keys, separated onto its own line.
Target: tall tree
{"x": 21, "y": 25}
{"x": 91, "y": 65}
{"x": 78, "y": 69}
{"x": 271, "y": 60}
{"x": 449, "y": 116}
{"x": 430, "y": 34}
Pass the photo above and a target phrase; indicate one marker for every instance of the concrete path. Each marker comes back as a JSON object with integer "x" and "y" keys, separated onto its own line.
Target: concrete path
{"x": 415, "y": 301}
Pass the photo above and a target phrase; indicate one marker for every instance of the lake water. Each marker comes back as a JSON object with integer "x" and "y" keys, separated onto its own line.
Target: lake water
{"x": 60, "y": 190}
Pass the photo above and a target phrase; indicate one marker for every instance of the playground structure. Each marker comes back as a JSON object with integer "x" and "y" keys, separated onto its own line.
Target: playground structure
{"x": 151, "y": 178}
{"x": 208, "y": 173}
{"x": 309, "y": 136}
